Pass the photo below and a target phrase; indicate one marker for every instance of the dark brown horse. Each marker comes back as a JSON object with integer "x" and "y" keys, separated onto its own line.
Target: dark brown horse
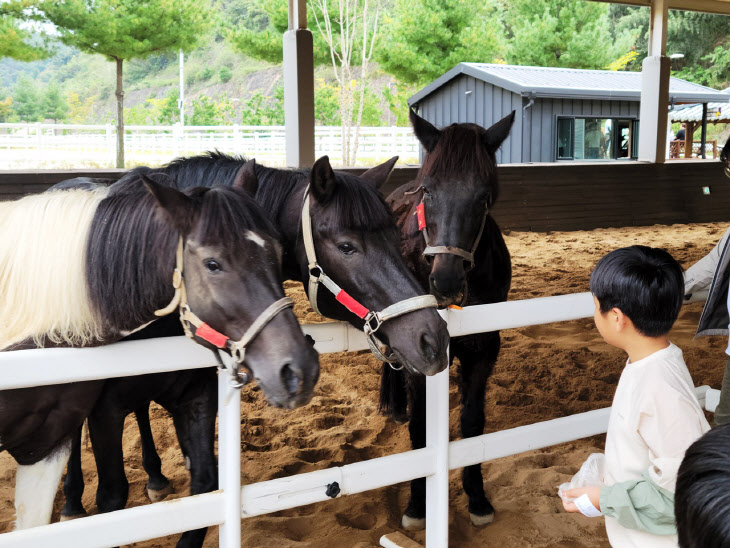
{"x": 457, "y": 252}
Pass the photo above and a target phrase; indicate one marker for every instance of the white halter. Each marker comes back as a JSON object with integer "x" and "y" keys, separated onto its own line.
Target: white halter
{"x": 373, "y": 320}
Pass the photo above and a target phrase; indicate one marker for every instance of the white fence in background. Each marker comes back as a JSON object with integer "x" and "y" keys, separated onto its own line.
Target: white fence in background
{"x": 228, "y": 505}
{"x": 77, "y": 146}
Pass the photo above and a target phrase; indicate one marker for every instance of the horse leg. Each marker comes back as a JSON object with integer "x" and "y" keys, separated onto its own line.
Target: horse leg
{"x": 158, "y": 486}
{"x": 73, "y": 485}
{"x": 195, "y": 426}
{"x": 414, "y": 518}
{"x": 36, "y": 486}
{"x": 476, "y": 366}
{"x": 393, "y": 394}
{"x": 106, "y": 426}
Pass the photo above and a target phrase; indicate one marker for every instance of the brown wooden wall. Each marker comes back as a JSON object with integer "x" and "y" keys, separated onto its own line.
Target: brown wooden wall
{"x": 542, "y": 197}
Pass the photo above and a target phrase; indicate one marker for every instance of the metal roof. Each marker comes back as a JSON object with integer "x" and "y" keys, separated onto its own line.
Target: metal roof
{"x": 716, "y": 113}
{"x": 552, "y": 82}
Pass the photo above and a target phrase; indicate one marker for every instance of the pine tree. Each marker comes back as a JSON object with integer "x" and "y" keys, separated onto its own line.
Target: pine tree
{"x": 54, "y": 105}
{"x": 128, "y": 29}
{"x": 26, "y": 100}
{"x": 14, "y": 41}
{"x": 422, "y": 39}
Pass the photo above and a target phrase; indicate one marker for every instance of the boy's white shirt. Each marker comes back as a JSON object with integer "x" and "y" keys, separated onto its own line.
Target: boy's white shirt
{"x": 655, "y": 417}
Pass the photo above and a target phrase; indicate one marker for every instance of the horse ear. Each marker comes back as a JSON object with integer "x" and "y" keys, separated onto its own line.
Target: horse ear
{"x": 425, "y": 131}
{"x": 496, "y": 134}
{"x": 379, "y": 175}
{"x": 322, "y": 180}
{"x": 176, "y": 206}
{"x": 246, "y": 178}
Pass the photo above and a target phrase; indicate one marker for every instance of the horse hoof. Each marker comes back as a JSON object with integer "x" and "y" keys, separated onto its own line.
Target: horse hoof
{"x": 481, "y": 521}
{"x": 412, "y": 524}
{"x": 156, "y": 495}
{"x": 72, "y": 516}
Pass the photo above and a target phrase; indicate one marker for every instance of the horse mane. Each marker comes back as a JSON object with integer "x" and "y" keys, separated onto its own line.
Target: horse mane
{"x": 42, "y": 280}
{"x": 459, "y": 151}
{"x": 129, "y": 280}
{"x": 355, "y": 204}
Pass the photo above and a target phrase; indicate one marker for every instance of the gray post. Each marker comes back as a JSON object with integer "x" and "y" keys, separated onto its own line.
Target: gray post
{"x": 299, "y": 88}
{"x": 655, "y": 88}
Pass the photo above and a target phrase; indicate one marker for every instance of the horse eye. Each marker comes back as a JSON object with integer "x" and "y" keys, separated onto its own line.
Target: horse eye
{"x": 212, "y": 266}
{"x": 346, "y": 248}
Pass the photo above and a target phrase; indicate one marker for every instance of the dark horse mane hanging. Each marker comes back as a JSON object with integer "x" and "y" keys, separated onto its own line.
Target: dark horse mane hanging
{"x": 473, "y": 157}
{"x": 119, "y": 274}
{"x": 353, "y": 205}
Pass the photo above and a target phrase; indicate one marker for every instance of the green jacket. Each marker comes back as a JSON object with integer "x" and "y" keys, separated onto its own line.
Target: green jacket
{"x": 640, "y": 504}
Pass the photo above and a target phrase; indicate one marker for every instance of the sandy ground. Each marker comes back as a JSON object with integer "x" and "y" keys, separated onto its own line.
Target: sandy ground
{"x": 543, "y": 372}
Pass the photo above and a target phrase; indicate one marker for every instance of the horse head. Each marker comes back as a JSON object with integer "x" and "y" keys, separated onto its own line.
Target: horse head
{"x": 457, "y": 185}
{"x": 230, "y": 266}
{"x": 356, "y": 245}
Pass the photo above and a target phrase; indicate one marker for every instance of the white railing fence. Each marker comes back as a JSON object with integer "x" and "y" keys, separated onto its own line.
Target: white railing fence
{"x": 77, "y": 146}
{"x": 228, "y": 505}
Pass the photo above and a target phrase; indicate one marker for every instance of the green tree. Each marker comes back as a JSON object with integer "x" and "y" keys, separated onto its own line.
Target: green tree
{"x": 562, "y": 33}
{"x": 261, "y": 110}
{"x": 259, "y": 35}
{"x": 79, "y": 110}
{"x": 225, "y": 74}
{"x": 396, "y": 96}
{"x": 26, "y": 100}
{"x": 422, "y": 39}
{"x": 54, "y": 105}
{"x": 127, "y": 29}
{"x": 205, "y": 112}
{"x": 703, "y": 39}
{"x": 168, "y": 109}
{"x": 6, "y": 109}
{"x": 14, "y": 41}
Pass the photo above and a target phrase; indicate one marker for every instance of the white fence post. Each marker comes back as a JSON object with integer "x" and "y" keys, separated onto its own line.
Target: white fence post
{"x": 437, "y": 439}
{"x": 229, "y": 460}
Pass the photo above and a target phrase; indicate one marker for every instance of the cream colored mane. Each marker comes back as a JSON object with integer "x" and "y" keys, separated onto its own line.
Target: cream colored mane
{"x": 43, "y": 268}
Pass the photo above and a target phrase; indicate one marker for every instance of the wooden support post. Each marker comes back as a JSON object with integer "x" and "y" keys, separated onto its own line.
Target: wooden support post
{"x": 703, "y": 140}
{"x": 689, "y": 139}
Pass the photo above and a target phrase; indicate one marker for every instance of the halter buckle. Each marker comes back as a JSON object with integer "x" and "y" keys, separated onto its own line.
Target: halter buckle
{"x": 316, "y": 272}
{"x": 372, "y": 323}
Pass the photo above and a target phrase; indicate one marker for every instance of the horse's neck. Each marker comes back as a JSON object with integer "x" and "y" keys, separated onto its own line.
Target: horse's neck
{"x": 285, "y": 210}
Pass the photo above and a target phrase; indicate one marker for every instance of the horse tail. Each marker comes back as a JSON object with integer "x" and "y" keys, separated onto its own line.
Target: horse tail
{"x": 393, "y": 394}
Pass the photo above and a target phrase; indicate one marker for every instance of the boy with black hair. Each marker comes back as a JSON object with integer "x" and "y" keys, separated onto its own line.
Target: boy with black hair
{"x": 702, "y": 500}
{"x": 655, "y": 414}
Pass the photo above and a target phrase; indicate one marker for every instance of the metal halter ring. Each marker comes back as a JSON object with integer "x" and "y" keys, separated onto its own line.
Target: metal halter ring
{"x": 372, "y": 323}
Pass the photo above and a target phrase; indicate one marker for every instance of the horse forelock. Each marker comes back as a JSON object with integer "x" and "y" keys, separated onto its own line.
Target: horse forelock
{"x": 460, "y": 153}
{"x": 43, "y": 240}
{"x": 355, "y": 205}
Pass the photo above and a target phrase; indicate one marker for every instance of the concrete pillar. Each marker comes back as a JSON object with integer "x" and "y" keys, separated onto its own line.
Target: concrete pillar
{"x": 299, "y": 88}
{"x": 655, "y": 71}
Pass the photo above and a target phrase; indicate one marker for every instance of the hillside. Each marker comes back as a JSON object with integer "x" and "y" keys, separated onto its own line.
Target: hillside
{"x": 93, "y": 79}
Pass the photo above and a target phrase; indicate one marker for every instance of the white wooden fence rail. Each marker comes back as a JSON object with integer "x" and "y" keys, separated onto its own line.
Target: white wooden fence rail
{"x": 226, "y": 506}
{"x": 28, "y": 144}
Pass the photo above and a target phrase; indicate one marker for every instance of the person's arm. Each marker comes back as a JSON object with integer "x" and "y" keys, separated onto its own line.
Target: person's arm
{"x": 699, "y": 275}
{"x": 640, "y": 504}
{"x": 669, "y": 424}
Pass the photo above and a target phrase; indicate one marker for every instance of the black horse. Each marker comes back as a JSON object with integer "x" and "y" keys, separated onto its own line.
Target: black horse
{"x": 93, "y": 265}
{"x": 356, "y": 241}
{"x": 457, "y": 252}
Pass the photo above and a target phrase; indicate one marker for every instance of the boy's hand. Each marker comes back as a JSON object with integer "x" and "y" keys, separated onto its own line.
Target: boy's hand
{"x": 594, "y": 494}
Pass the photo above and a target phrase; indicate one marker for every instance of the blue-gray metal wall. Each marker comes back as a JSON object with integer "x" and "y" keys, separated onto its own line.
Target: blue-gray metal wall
{"x": 533, "y": 135}
{"x": 485, "y": 105}
{"x": 539, "y": 122}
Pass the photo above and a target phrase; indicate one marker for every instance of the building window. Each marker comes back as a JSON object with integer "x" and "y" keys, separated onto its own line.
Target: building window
{"x": 597, "y": 138}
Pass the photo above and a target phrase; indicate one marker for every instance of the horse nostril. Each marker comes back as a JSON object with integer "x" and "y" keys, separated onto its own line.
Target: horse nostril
{"x": 292, "y": 382}
{"x": 429, "y": 347}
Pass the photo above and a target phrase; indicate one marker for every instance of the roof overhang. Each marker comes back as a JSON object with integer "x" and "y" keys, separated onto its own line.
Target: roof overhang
{"x": 550, "y": 92}
{"x": 721, "y": 7}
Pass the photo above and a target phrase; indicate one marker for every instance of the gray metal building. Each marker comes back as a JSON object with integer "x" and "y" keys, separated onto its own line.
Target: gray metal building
{"x": 561, "y": 114}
